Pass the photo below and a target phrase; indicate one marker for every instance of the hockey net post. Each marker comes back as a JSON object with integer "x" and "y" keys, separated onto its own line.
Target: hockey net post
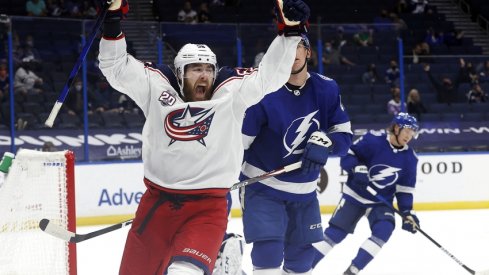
{"x": 38, "y": 185}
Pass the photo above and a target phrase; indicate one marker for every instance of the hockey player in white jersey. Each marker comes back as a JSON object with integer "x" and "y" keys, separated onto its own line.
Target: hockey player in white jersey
{"x": 192, "y": 144}
{"x": 303, "y": 120}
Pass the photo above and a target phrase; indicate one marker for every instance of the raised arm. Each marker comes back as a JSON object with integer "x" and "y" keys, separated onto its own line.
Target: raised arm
{"x": 124, "y": 73}
{"x": 275, "y": 67}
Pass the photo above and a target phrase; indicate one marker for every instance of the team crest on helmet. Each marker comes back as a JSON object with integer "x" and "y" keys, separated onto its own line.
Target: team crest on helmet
{"x": 382, "y": 175}
{"x": 188, "y": 124}
{"x": 298, "y": 132}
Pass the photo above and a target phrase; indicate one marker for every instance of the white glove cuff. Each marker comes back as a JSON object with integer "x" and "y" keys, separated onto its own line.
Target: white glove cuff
{"x": 360, "y": 169}
{"x": 320, "y": 139}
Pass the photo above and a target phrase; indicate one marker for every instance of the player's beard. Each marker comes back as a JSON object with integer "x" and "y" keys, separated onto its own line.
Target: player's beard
{"x": 200, "y": 91}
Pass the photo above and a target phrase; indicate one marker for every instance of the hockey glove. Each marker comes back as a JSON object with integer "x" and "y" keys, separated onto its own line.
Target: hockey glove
{"x": 410, "y": 222}
{"x": 118, "y": 9}
{"x": 292, "y": 16}
{"x": 316, "y": 152}
{"x": 359, "y": 177}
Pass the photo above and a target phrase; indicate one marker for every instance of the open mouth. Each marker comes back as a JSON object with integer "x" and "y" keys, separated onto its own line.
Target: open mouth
{"x": 199, "y": 91}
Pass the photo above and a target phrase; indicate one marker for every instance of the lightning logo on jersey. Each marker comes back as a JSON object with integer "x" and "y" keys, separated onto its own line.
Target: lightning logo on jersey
{"x": 382, "y": 175}
{"x": 188, "y": 124}
{"x": 298, "y": 131}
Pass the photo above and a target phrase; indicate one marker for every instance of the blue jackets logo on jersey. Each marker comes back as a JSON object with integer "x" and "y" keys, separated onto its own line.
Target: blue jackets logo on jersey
{"x": 382, "y": 175}
{"x": 298, "y": 132}
{"x": 191, "y": 123}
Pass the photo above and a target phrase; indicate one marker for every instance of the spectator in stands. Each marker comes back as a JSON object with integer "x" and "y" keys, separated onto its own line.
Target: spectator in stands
{"x": 4, "y": 83}
{"x": 419, "y": 6}
{"x": 105, "y": 98}
{"x": 364, "y": 37}
{"x": 333, "y": 56}
{"x": 476, "y": 94}
{"x": 217, "y": 3}
{"x": 398, "y": 21}
{"x": 73, "y": 104}
{"x": 204, "y": 15}
{"x": 88, "y": 10}
{"x": 454, "y": 38}
{"x": 55, "y": 8}
{"x": 339, "y": 39}
{"x": 35, "y": 8}
{"x": 383, "y": 21}
{"x": 392, "y": 73}
{"x": 394, "y": 105}
{"x": 483, "y": 71}
{"x": 468, "y": 73}
{"x": 73, "y": 8}
{"x": 18, "y": 50}
{"x": 421, "y": 51}
{"x": 403, "y": 7}
{"x": 415, "y": 106}
{"x": 48, "y": 146}
{"x": 25, "y": 80}
{"x": 187, "y": 14}
{"x": 370, "y": 76}
{"x": 446, "y": 89}
{"x": 28, "y": 49}
{"x": 433, "y": 38}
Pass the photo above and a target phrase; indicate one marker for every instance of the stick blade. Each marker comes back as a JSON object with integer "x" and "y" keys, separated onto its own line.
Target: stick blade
{"x": 55, "y": 230}
{"x": 482, "y": 272}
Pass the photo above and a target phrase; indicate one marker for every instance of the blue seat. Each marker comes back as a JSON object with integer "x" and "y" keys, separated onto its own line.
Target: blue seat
{"x": 430, "y": 117}
{"x": 460, "y": 108}
{"x": 355, "y": 109}
{"x": 375, "y": 108}
{"x": 451, "y": 117}
{"x": 363, "y": 118}
{"x": 360, "y": 99}
{"x": 383, "y": 118}
{"x": 480, "y": 107}
{"x": 439, "y": 108}
{"x": 474, "y": 117}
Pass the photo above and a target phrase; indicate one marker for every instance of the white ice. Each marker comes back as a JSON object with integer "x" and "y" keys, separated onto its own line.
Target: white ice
{"x": 463, "y": 233}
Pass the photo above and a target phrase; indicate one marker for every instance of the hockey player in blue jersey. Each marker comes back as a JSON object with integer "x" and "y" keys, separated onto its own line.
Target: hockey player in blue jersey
{"x": 303, "y": 120}
{"x": 387, "y": 164}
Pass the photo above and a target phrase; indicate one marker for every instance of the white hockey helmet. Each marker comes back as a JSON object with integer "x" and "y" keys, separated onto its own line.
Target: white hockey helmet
{"x": 193, "y": 53}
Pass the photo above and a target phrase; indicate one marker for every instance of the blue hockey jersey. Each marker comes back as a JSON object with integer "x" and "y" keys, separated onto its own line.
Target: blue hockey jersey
{"x": 276, "y": 130}
{"x": 391, "y": 171}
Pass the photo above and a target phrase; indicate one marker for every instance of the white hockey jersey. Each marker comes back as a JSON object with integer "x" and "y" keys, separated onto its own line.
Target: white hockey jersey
{"x": 194, "y": 146}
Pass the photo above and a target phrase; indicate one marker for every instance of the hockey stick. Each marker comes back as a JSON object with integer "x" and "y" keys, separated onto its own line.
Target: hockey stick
{"x": 267, "y": 175}
{"x": 384, "y": 201}
{"x": 62, "y": 96}
{"x": 55, "y": 230}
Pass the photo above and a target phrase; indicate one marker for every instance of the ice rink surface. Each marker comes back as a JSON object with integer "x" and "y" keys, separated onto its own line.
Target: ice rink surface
{"x": 464, "y": 233}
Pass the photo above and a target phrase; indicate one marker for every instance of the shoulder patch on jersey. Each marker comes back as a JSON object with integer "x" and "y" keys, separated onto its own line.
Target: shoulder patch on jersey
{"x": 226, "y": 74}
{"x": 325, "y": 77}
{"x": 166, "y": 71}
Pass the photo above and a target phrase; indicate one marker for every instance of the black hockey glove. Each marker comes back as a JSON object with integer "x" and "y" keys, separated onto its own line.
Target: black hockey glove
{"x": 316, "y": 152}
{"x": 410, "y": 221}
{"x": 118, "y": 9}
{"x": 292, "y": 17}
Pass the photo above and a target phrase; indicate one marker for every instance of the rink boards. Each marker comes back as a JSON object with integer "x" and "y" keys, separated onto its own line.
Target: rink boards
{"x": 107, "y": 193}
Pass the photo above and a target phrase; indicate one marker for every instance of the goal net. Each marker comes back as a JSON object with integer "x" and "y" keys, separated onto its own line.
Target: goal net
{"x": 39, "y": 185}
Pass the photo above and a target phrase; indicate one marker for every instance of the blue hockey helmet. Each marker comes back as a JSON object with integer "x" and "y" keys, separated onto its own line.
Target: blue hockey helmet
{"x": 405, "y": 120}
{"x": 305, "y": 41}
